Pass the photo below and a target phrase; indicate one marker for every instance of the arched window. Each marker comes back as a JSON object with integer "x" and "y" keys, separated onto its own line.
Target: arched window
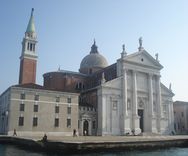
{"x": 31, "y": 45}
{"x": 80, "y": 85}
{"x": 27, "y": 46}
{"x": 90, "y": 71}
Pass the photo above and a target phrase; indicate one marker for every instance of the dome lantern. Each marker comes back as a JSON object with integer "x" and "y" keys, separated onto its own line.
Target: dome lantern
{"x": 93, "y": 62}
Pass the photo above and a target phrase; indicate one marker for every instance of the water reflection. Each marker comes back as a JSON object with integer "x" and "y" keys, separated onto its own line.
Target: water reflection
{"x": 8, "y": 150}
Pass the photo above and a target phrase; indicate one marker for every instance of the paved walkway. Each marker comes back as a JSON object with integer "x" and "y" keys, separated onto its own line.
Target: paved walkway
{"x": 110, "y": 138}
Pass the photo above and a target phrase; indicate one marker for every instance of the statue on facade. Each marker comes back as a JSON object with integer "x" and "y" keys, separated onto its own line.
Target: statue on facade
{"x": 123, "y": 47}
{"x": 170, "y": 87}
{"x": 140, "y": 42}
{"x": 157, "y": 57}
{"x": 123, "y": 54}
{"x": 103, "y": 80}
{"x": 140, "y": 48}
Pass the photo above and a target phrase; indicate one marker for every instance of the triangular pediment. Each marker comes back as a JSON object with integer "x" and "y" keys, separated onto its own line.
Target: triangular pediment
{"x": 143, "y": 58}
{"x": 166, "y": 91}
{"x": 115, "y": 83}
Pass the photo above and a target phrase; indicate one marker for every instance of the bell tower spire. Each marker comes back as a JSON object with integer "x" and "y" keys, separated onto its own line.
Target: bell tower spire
{"x": 28, "y": 58}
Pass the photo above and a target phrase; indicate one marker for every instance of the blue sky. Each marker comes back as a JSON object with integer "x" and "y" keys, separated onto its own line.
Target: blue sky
{"x": 66, "y": 29}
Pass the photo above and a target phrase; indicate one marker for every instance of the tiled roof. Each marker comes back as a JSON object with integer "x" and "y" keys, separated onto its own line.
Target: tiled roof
{"x": 30, "y": 85}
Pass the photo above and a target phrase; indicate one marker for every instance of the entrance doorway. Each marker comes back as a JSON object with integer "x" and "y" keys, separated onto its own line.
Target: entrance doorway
{"x": 85, "y": 127}
{"x": 141, "y": 114}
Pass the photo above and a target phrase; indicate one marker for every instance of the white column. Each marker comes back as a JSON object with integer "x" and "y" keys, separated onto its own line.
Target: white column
{"x": 124, "y": 92}
{"x": 136, "y": 118}
{"x": 104, "y": 115}
{"x": 150, "y": 104}
{"x": 172, "y": 115}
{"x": 135, "y": 111}
{"x": 150, "y": 96}
{"x": 159, "y": 113}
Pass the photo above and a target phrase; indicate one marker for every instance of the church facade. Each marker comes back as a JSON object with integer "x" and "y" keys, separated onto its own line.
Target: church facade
{"x": 123, "y": 98}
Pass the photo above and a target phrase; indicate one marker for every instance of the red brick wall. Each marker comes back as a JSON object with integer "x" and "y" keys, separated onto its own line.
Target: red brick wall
{"x": 63, "y": 81}
{"x": 27, "y": 71}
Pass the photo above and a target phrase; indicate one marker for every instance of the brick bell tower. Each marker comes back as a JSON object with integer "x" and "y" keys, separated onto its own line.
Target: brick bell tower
{"x": 28, "y": 58}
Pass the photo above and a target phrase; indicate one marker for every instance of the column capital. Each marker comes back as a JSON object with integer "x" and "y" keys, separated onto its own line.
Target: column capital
{"x": 150, "y": 75}
{"x": 158, "y": 76}
{"x": 134, "y": 72}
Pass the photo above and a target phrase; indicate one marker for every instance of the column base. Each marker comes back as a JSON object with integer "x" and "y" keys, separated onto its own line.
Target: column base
{"x": 136, "y": 125}
{"x": 126, "y": 129}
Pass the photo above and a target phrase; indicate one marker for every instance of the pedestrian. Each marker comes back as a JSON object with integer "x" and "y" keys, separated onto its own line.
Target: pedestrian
{"x": 74, "y": 132}
{"x": 14, "y": 133}
{"x": 44, "y": 139}
{"x": 85, "y": 132}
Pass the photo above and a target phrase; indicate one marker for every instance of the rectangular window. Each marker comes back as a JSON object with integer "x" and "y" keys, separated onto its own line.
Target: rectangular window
{"x": 93, "y": 124}
{"x": 21, "y": 121}
{"x": 36, "y": 97}
{"x": 56, "y": 122}
{"x": 35, "y": 121}
{"x": 115, "y": 105}
{"x": 68, "y": 123}
{"x": 57, "y": 99}
{"x": 68, "y": 110}
{"x": 56, "y": 109}
{"x": 182, "y": 114}
{"x": 22, "y": 96}
{"x": 22, "y": 106}
{"x": 68, "y": 100}
{"x": 35, "y": 108}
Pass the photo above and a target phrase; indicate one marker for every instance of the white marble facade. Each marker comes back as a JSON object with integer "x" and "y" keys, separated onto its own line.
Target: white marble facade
{"x": 136, "y": 101}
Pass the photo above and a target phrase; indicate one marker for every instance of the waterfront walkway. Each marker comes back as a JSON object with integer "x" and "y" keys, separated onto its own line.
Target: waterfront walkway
{"x": 96, "y": 139}
{"x": 81, "y": 144}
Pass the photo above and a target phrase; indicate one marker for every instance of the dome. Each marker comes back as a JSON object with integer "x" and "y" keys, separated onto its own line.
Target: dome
{"x": 94, "y": 61}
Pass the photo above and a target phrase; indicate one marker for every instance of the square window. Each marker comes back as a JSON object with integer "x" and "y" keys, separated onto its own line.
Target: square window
{"x": 56, "y": 122}
{"x": 56, "y": 109}
{"x": 68, "y": 110}
{"x": 22, "y": 107}
{"x": 35, "y": 108}
{"x": 68, "y": 100}
{"x": 68, "y": 123}
{"x": 35, "y": 121}
{"x": 22, "y": 96}
{"x": 21, "y": 121}
{"x": 57, "y": 99}
{"x": 36, "y": 97}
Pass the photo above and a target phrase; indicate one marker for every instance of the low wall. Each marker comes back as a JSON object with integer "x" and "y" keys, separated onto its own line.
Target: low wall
{"x": 85, "y": 147}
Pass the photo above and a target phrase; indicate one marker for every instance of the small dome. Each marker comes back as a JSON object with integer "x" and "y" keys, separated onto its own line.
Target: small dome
{"x": 94, "y": 61}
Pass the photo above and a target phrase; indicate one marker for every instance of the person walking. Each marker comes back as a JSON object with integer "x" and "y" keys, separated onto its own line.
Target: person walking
{"x": 14, "y": 133}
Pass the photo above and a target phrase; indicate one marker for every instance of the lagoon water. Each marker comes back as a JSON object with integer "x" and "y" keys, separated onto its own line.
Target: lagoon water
{"x": 8, "y": 150}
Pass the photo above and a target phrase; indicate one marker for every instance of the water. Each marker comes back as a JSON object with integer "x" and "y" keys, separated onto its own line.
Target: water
{"x": 8, "y": 150}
